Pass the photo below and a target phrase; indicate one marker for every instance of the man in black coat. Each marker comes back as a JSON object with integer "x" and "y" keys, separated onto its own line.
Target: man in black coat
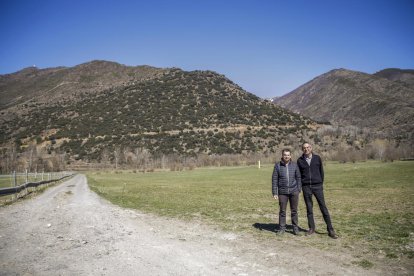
{"x": 311, "y": 170}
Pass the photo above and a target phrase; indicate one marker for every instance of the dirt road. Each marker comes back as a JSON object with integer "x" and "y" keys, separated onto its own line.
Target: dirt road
{"x": 69, "y": 230}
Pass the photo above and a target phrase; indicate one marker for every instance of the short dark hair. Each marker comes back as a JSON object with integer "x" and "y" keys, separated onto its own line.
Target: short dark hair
{"x": 285, "y": 150}
{"x": 306, "y": 143}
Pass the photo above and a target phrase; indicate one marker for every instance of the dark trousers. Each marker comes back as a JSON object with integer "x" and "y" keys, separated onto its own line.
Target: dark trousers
{"x": 317, "y": 191}
{"x": 293, "y": 201}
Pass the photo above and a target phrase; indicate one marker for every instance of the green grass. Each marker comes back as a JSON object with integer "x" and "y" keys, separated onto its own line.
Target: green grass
{"x": 364, "y": 263}
{"x": 7, "y": 181}
{"x": 371, "y": 203}
{"x": 218, "y": 195}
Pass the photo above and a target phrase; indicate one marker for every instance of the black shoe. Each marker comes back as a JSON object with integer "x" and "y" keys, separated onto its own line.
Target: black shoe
{"x": 310, "y": 232}
{"x": 296, "y": 231}
{"x": 333, "y": 235}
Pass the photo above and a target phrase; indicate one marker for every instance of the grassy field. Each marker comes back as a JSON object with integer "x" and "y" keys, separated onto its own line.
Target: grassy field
{"x": 371, "y": 203}
{"x": 7, "y": 180}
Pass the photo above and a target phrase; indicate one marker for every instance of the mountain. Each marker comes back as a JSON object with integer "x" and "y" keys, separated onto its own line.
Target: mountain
{"x": 99, "y": 106}
{"x": 403, "y": 76}
{"x": 348, "y": 97}
{"x": 45, "y": 85}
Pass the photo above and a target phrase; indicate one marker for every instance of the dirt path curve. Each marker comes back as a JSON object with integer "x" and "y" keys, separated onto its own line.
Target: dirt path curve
{"x": 69, "y": 230}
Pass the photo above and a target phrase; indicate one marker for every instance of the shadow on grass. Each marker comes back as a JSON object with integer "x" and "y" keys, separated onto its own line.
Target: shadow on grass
{"x": 274, "y": 227}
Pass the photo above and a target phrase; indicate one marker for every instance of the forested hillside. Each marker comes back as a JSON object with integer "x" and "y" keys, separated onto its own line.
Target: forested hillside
{"x": 171, "y": 112}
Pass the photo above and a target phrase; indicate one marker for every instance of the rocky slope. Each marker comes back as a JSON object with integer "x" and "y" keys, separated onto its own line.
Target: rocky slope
{"x": 404, "y": 77}
{"x": 54, "y": 84}
{"x": 348, "y": 97}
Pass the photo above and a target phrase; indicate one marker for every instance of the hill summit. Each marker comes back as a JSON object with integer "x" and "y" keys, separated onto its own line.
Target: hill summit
{"x": 97, "y": 107}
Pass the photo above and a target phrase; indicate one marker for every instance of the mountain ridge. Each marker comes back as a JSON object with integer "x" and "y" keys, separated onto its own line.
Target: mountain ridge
{"x": 87, "y": 77}
{"x": 88, "y": 108}
{"x": 403, "y": 76}
{"x": 347, "y": 97}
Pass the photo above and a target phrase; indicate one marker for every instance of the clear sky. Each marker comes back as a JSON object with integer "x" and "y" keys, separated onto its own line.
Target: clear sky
{"x": 267, "y": 47}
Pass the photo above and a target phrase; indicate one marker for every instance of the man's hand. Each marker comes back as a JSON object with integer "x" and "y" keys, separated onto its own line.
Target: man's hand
{"x": 275, "y": 197}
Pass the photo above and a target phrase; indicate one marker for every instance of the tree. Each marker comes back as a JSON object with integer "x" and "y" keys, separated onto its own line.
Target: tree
{"x": 32, "y": 154}
{"x": 125, "y": 153}
{"x": 117, "y": 156}
{"x": 142, "y": 156}
{"x": 105, "y": 158}
{"x": 380, "y": 147}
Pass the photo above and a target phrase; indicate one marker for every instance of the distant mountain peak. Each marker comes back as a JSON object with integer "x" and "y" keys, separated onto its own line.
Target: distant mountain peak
{"x": 347, "y": 97}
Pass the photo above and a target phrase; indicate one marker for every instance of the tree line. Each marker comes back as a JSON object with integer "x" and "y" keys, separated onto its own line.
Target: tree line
{"x": 141, "y": 159}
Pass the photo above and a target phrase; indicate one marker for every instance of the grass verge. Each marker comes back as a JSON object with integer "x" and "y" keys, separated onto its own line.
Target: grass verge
{"x": 371, "y": 203}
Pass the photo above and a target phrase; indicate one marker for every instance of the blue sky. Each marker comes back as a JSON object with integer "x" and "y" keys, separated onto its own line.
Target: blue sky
{"x": 267, "y": 47}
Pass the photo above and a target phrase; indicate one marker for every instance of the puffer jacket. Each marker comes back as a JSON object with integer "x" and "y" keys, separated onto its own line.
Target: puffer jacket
{"x": 286, "y": 178}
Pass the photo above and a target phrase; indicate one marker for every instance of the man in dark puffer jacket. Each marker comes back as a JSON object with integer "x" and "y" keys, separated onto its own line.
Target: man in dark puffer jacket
{"x": 286, "y": 186}
{"x": 311, "y": 170}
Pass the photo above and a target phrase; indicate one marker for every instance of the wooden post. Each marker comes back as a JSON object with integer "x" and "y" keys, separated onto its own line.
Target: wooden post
{"x": 14, "y": 179}
{"x": 258, "y": 164}
{"x": 26, "y": 181}
{"x": 15, "y": 185}
{"x": 123, "y": 192}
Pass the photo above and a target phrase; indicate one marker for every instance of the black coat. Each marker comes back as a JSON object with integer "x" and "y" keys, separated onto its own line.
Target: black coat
{"x": 312, "y": 174}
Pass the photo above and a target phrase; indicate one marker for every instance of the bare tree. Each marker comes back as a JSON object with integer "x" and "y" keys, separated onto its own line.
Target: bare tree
{"x": 125, "y": 155}
{"x": 32, "y": 154}
{"x": 163, "y": 161}
{"x": 142, "y": 156}
{"x": 55, "y": 163}
{"x": 380, "y": 147}
{"x": 117, "y": 156}
{"x": 105, "y": 158}
{"x": 62, "y": 160}
{"x": 11, "y": 158}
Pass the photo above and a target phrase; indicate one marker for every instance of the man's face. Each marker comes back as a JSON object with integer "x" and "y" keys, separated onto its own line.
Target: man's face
{"x": 286, "y": 156}
{"x": 307, "y": 149}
